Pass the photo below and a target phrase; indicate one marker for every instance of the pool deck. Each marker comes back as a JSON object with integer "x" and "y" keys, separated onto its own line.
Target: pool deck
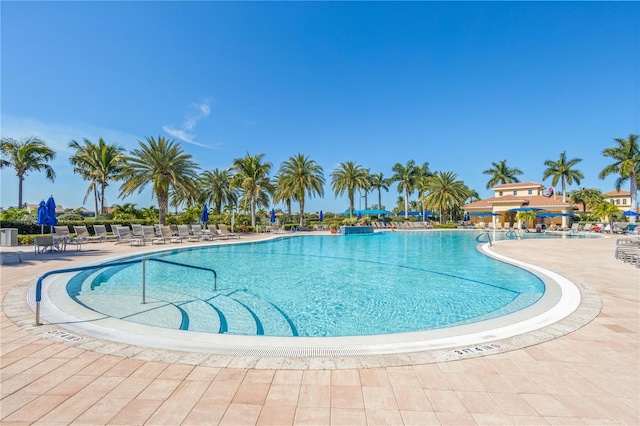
{"x": 589, "y": 376}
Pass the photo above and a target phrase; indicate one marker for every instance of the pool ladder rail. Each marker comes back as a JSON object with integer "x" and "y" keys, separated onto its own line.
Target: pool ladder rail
{"x": 125, "y": 262}
{"x": 483, "y": 235}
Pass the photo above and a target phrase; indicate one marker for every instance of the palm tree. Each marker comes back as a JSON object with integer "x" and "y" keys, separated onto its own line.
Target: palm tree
{"x": 300, "y": 176}
{"x": 28, "y": 154}
{"x": 444, "y": 192}
{"x": 472, "y": 195}
{"x": 164, "y": 164}
{"x": 606, "y": 211}
{"x": 216, "y": 189}
{"x": 349, "y": 177}
{"x": 378, "y": 182}
{"x": 501, "y": 174}
{"x": 282, "y": 194}
{"x": 252, "y": 176}
{"x": 97, "y": 164}
{"x": 627, "y": 164}
{"x": 127, "y": 211}
{"x": 150, "y": 213}
{"x": 406, "y": 176}
{"x": 589, "y": 197}
{"x": 563, "y": 171}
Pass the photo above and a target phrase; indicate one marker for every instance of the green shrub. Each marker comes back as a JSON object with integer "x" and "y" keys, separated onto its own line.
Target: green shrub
{"x": 445, "y": 226}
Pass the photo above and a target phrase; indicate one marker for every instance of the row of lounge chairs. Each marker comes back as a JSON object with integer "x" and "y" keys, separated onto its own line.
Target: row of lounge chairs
{"x": 628, "y": 250}
{"x": 402, "y": 225}
{"x": 136, "y": 235}
{"x": 162, "y": 234}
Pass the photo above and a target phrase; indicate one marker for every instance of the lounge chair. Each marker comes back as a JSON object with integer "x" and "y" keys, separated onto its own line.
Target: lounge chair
{"x": 83, "y": 234}
{"x": 183, "y": 233}
{"x": 125, "y": 236}
{"x": 225, "y": 232}
{"x": 149, "y": 234}
{"x": 587, "y": 227}
{"x": 101, "y": 232}
{"x": 43, "y": 243}
{"x": 62, "y": 237}
{"x": 201, "y": 234}
{"x": 136, "y": 230}
{"x": 167, "y": 234}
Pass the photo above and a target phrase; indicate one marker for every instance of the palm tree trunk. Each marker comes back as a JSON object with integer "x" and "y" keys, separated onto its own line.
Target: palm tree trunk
{"x": 365, "y": 200}
{"x": 406, "y": 204}
{"x": 301, "y": 211}
{"x": 253, "y": 211}
{"x": 102, "y": 190}
{"x": 564, "y": 193}
{"x": 163, "y": 204}
{"x": 95, "y": 198}
{"x": 379, "y": 199}
{"x": 20, "y": 180}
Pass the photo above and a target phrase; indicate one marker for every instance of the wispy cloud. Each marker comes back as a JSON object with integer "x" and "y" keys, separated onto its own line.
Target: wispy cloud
{"x": 186, "y": 133}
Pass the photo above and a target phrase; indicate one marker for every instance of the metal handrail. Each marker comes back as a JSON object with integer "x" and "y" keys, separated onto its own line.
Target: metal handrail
{"x": 125, "y": 262}
{"x": 488, "y": 238}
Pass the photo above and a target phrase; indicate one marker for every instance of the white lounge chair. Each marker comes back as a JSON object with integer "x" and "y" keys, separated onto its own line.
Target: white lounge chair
{"x": 225, "y": 232}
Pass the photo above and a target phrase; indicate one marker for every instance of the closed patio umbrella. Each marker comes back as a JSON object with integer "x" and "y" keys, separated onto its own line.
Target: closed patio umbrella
{"x": 51, "y": 212}
{"x": 42, "y": 215}
{"x": 205, "y": 214}
{"x": 272, "y": 219}
{"x": 321, "y": 216}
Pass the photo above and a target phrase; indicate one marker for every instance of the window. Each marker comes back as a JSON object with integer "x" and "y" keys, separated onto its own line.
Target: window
{"x": 500, "y": 193}
{"x": 530, "y": 191}
{"x": 624, "y": 201}
{"x": 515, "y": 192}
{"x": 618, "y": 201}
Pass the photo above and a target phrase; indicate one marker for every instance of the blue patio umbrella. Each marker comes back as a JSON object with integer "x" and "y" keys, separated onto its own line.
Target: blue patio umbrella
{"x": 466, "y": 217}
{"x": 51, "y": 212}
{"x": 359, "y": 215}
{"x": 205, "y": 214}
{"x": 630, "y": 213}
{"x": 42, "y": 216}
{"x": 272, "y": 219}
{"x": 321, "y": 216}
{"x": 484, "y": 214}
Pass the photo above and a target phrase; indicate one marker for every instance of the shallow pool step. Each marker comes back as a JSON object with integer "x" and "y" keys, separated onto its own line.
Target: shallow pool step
{"x": 239, "y": 319}
{"x": 274, "y": 321}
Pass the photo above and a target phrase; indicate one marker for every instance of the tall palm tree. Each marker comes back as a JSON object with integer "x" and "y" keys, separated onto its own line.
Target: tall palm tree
{"x": 282, "y": 194}
{"x": 28, "y": 154}
{"x": 501, "y": 174}
{"x": 444, "y": 192}
{"x": 216, "y": 189}
{"x": 627, "y": 164}
{"x": 366, "y": 189}
{"x": 349, "y": 177}
{"x": 252, "y": 176}
{"x": 164, "y": 164}
{"x": 589, "y": 197}
{"x": 301, "y": 176}
{"x": 563, "y": 171}
{"x": 379, "y": 183}
{"x": 406, "y": 176}
{"x": 98, "y": 164}
{"x": 606, "y": 211}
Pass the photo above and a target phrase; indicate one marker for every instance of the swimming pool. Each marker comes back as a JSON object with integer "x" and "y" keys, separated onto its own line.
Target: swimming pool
{"x": 316, "y": 286}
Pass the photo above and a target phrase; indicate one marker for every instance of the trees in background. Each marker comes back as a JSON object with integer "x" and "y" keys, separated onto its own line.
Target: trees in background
{"x": 251, "y": 175}
{"x": 162, "y": 163}
{"x": 98, "y": 163}
{"x": 563, "y": 170}
{"x": 626, "y": 156}
{"x": 25, "y": 155}
{"x": 406, "y": 176}
{"x": 501, "y": 173}
{"x": 349, "y": 177}
{"x": 300, "y": 176}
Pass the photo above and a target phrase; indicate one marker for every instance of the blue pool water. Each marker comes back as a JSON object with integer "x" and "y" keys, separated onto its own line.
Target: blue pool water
{"x": 316, "y": 286}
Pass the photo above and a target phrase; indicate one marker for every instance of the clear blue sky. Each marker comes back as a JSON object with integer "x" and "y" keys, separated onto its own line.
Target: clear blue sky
{"x": 454, "y": 84}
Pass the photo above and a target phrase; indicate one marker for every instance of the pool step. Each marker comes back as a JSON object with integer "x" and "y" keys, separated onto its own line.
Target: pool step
{"x": 274, "y": 320}
{"x": 235, "y": 312}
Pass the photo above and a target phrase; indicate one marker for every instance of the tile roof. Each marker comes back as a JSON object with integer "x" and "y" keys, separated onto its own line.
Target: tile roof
{"x": 622, "y": 192}
{"x": 529, "y": 201}
{"x": 517, "y": 185}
